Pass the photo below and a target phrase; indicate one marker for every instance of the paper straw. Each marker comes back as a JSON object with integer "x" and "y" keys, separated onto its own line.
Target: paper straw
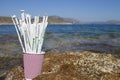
{"x": 32, "y": 33}
{"x": 18, "y": 34}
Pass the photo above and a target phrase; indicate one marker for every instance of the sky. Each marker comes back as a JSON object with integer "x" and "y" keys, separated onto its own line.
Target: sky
{"x": 82, "y": 10}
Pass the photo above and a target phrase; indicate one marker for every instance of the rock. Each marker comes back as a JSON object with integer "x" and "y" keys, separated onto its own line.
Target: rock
{"x": 15, "y": 74}
{"x": 84, "y": 65}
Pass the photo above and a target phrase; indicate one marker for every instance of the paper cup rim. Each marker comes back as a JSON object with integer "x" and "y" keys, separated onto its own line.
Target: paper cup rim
{"x": 34, "y": 53}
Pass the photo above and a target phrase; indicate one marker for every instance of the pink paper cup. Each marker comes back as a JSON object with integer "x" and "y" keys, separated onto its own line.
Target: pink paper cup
{"x": 32, "y": 65}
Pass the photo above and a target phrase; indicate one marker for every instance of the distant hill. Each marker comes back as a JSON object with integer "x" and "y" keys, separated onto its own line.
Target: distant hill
{"x": 5, "y": 20}
{"x": 113, "y": 22}
{"x": 51, "y": 20}
{"x": 57, "y": 19}
{"x": 102, "y": 22}
{"x": 60, "y": 20}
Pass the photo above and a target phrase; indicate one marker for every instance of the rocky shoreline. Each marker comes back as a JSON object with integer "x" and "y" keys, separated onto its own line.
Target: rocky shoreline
{"x": 72, "y": 65}
{"x": 83, "y": 65}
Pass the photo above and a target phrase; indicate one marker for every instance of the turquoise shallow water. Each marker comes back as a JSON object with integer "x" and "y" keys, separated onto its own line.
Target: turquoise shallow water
{"x": 101, "y": 37}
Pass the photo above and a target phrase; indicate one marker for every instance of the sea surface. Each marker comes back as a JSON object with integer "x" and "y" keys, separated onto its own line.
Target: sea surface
{"x": 76, "y": 37}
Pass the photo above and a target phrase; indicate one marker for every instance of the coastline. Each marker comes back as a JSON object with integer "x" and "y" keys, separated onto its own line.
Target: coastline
{"x": 6, "y": 24}
{"x": 67, "y": 24}
{"x": 48, "y": 23}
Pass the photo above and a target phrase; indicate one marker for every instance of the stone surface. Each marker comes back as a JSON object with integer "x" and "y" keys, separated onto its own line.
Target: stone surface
{"x": 84, "y": 65}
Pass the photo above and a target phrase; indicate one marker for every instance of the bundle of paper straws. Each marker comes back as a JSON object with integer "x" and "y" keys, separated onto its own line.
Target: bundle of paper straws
{"x": 31, "y": 35}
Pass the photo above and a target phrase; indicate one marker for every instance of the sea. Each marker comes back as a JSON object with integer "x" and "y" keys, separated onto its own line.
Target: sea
{"x": 76, "y": 37}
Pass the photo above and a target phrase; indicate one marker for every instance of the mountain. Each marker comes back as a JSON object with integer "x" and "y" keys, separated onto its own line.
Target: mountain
{"x": 51, "y": 20}
{"x": 102, "y": 22}
{"x": 60, "y": 20}
{"x": 113, "y": 22}
{"x": 5, "y": 20}
{"x": 57, "y": 19}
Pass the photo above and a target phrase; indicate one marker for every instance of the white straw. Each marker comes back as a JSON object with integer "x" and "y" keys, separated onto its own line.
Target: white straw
{"x": 32, "y": 33}
{"x": 18, "y": 34}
